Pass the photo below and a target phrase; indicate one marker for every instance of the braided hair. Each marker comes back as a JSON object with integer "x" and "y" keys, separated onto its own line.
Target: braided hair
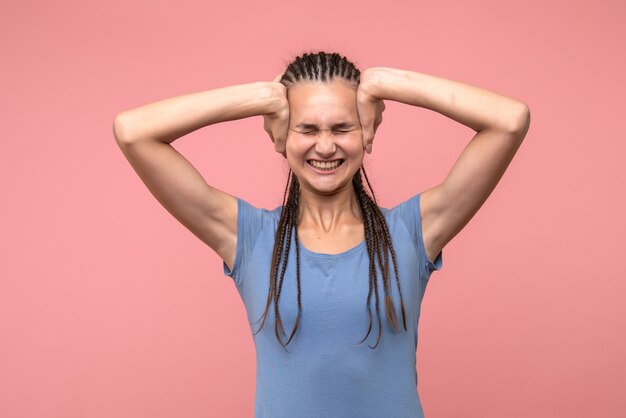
{"x": 323, "y": 67}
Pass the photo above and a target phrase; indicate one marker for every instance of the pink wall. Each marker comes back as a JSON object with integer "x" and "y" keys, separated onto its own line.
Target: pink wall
{"x": 110, "y": 308}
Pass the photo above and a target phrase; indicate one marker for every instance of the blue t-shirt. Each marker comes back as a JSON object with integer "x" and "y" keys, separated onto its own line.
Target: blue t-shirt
{"x": 325, "y": 372}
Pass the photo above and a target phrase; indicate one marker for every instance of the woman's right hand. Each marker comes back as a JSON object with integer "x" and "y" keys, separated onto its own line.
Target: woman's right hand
{"x": 276, "y": 124}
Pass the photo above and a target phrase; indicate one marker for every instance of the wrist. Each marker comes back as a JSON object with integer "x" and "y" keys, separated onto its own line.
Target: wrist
{"x": 275, "y": 95}
{"x": 373, "y": 81}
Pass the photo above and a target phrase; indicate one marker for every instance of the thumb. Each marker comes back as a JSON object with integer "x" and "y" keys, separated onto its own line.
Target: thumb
{"x": 368, "y": 139}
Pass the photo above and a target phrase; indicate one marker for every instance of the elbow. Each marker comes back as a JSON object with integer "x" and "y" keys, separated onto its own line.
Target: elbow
{"x": 520, "y": 121}
{"x": 121, "y": 130}
{"x": 118, "y": 129}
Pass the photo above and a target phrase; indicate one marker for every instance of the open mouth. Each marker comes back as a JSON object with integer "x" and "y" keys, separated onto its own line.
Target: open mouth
{"x": 325, "y": 165}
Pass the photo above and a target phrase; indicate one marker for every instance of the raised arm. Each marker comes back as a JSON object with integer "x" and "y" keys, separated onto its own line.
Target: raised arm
{"x": 144, "y": 134}
{"x": 501, "y": 124}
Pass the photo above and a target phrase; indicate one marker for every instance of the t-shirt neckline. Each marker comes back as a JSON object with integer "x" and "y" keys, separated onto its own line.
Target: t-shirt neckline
{"x": 332, "y": 256}
{"x": 314, "y": 254}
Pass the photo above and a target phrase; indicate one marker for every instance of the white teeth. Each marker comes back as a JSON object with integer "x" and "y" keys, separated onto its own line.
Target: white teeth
{"x": 325, "y": 165}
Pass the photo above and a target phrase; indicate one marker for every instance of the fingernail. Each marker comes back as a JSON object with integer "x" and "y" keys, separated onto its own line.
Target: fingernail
{"x": 368, "y": 148}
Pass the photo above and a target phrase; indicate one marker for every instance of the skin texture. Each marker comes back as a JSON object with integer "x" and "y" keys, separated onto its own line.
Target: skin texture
{"x": 324, "y": 121}
{"x": 330, "y": 216}
{"x": 324, "y": 105}
{"x": 144, "y": 135}
{"x": 334, "y": 119}
{"x": 500, "y": 122}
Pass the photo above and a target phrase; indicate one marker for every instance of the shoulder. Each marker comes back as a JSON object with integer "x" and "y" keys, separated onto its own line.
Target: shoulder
{"x": 416, "y": 214}
{"x": 407, "y": 210}
{"x": 401, "y": 218}
{"x": 246, "y": 209}
{"x": 254, "y": 224}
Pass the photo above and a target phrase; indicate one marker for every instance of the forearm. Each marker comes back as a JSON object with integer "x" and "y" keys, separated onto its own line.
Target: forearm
{"x": 474, "y": 107}
{"x": 169, "y": 119}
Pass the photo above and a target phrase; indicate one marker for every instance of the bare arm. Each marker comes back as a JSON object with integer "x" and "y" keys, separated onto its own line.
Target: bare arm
{"x": 501, "y": 124}
{"x": 144, "y": 135}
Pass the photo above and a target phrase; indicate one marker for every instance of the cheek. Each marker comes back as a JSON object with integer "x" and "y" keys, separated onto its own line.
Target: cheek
{"x": 297, "y": 144}
{"x": 353, "y": 144}
{"x": 290, "y": 144}
{"x": 294, "y": 150}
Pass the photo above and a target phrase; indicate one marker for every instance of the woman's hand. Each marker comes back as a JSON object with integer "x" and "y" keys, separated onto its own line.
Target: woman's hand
{"x": 369, "y": 107}
{"x": 276, "y": 124}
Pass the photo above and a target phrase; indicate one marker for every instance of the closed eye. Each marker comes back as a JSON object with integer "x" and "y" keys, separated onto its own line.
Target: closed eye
{"x": 315, "y": 132}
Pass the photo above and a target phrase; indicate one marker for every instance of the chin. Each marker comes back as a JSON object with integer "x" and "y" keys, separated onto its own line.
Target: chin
{"x": 325, "y": 188}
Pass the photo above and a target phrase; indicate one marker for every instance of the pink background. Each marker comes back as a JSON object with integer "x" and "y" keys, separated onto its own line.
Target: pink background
{"x": 110, "y": 308}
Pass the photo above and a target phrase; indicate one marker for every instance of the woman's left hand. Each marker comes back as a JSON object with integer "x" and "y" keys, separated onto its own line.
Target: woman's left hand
{"x": 369, "y": 107}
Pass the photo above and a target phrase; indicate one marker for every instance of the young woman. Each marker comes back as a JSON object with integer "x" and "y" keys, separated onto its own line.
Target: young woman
{"x": 329, "y": 259}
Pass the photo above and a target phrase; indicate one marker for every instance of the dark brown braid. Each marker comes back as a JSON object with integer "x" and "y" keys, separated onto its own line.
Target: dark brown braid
{"x": 323, "y": 67}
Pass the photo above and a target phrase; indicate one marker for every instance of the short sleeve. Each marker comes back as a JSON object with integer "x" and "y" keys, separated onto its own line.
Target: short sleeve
{"x": 409, "y": 211}
{"x": 249, "y": 226}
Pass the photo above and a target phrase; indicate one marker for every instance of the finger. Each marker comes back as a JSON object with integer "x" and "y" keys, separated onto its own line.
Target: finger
{"x": 280, "y": 129}
{"x": 279, "y": 145}
{"x": 281, "y": 140}
{"x": 364, "y": 121}
{"x": 379, "y": 116}
{"x": 367, "y": 127}
{"x": 378, "y": 122}
{"x": 368, "y": 146}
{"x": 267, "y": 127}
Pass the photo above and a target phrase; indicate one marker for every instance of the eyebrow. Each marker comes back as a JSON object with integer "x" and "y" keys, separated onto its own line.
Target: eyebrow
{"x": 341, "y": 125}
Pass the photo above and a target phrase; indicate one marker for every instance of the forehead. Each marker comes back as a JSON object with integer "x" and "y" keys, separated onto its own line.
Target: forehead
{"x": 317, "y": 100}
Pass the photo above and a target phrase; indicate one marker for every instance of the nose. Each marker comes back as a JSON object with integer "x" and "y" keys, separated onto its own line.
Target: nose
{"x": 325, "y": 145}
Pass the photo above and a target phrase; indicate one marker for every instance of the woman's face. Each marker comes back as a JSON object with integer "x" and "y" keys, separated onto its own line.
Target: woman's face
{"x": 324, "y": 146}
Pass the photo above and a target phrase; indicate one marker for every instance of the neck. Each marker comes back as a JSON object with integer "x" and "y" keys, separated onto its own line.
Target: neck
{"x": 328, "y": 213}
